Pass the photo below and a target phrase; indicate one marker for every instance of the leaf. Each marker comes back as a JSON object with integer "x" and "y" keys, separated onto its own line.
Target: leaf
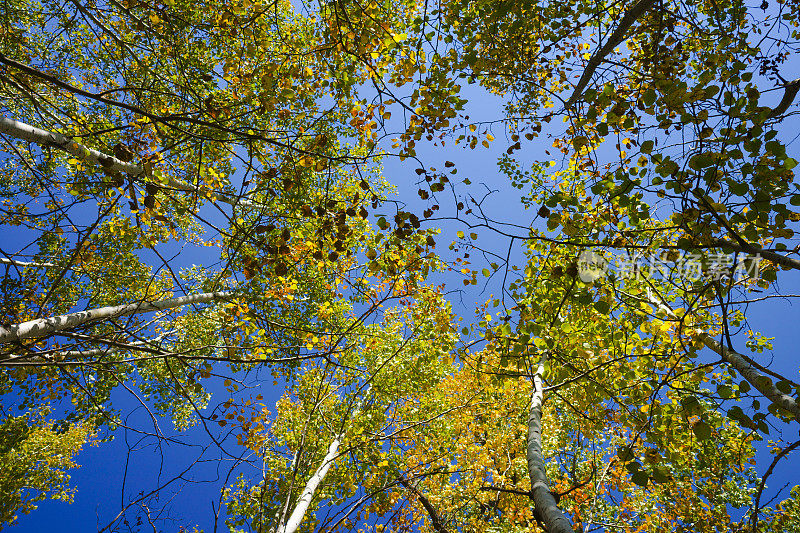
{"x": 625, "y": 453}
{"x": 691, "y": 405}
{"x": 602, "y": 307}
{"x": 579, "y": 142}
{"x": 701, "y": 430}
{"x": 724, "y": 391}
{"x": 640, "y": 478}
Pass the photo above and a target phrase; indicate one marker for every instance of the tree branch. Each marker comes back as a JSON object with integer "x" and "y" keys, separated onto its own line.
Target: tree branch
{"x": 757, "y": 507}
{"x": 758, "y": 380}
{"x": 436, "y": 521}
{"x": 23, "y": 264}
{"x": 755, "y": 249}
{"x": 631, "y": 16}
{"x": 29, "y": 133}
{"x": 791, "y": 90}
{"x": 741, "y": 363}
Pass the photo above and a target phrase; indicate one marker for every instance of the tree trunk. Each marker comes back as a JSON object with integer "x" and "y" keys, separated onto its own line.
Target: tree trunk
{"x": 757, "y": 379}
{"x": 545, "y": 506}
{"x": 29, "y": 133}
{"x": 41, "y": 327}
{"x": 630, "y": 16}
{"x": 307, "y": 495}
{"x": 23, "y": 264}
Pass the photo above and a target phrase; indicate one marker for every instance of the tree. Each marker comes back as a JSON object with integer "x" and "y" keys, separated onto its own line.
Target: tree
{"x": 252, "y": 137}
{"x": 35, "y": 458}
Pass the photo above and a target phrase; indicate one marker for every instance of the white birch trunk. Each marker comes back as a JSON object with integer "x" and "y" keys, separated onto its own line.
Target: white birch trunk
{"x": 304, "y": 501}
{"x": 41, "y": 327}
{"x": 75, "y": 356}
{"x": 23, "y": 264}
{"x": 757, "y": 379}
{"x": 307, "y": 495}
{"x": 29, "y": 133}
{"x": 544, "y": 503}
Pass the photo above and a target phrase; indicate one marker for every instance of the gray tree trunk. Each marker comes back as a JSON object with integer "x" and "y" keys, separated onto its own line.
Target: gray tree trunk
{"x": 545, "y": 505}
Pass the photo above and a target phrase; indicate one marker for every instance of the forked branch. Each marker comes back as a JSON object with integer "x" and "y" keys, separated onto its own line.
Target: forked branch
{"x": 631, "y": 16}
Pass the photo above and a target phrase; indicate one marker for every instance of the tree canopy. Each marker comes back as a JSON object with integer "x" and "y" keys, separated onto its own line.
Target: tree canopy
{"x": 248, "y": 238}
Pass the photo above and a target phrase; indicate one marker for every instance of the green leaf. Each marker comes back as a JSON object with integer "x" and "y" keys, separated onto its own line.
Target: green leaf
{"x": 736, "y": 413}
{"x": 602, "y": 307}
{"x": 640, "y": 478}
{"x": 701, "y": 430}
{"x": 625, "y": 453}
{"x": 739, "y": 188}
{"x": 691, "y": 405}
{"x": 659, "y": 474}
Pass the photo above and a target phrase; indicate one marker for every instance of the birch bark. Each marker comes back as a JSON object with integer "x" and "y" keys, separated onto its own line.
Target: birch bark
{"x": 307, "y": 495}
{"x": 29, "y": 133}
{"x": 544, "y": 503}
{"x": 33, "y": 329}
{"x": 757, "y": 379}
{"x": 304, "y": 501}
